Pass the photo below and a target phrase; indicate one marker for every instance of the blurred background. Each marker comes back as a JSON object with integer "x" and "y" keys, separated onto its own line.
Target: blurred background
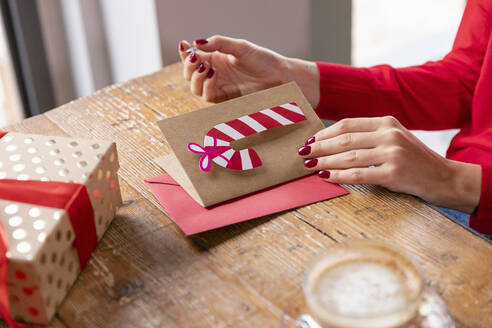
{"x": 54, "y": 51}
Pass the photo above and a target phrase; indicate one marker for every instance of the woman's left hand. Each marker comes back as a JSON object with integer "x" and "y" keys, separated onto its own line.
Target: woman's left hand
{"x": 381, "y": 151}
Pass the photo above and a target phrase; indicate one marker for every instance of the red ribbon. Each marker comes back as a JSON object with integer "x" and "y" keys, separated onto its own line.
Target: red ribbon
{"x": 71, "y": 197}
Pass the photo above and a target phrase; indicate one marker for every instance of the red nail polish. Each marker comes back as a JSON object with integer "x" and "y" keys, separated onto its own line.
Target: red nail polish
{"x": 312, "y": 162}
{"x": 210, "y": 73}
{"x": 181, "y": 46}
{"x": 304, "y": 150}
{"x": 201, "y": 41}
{"x": 310, "y": 140}
{"x": 324, "y": 174}
{"x": 193, "y": 58}
{"x": 201, "y": 68}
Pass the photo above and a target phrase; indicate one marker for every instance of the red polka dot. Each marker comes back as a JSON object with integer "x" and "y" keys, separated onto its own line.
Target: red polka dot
{"x": 96, "y": 194}
{"x": 90, "y": 176}
{"x": 33, "y": 311}
{"x": 103, "y": 158}
{"x": 111, "y": 186}
{"x": 14, "y": 298}
{"x": 28, "y": 291}
{"x": 20, "y": 274}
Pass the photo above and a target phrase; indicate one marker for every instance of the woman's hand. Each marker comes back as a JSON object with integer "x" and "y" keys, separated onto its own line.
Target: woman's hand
{"x": 381, "y": 151}
{"x": 225, "y": 68}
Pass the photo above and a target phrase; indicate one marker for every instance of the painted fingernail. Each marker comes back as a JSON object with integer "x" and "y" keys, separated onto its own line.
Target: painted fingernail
{"x": 201, "y": 68}
{"x": 324, "y": 174}
{"x": 310, "y": 140}
{"x": 181, "y": 46}
{"x": 312, "y": 162}
{"x": 304, "y": 150}
{"x": 201, "y": 41}
{"x": 210, "y": 73}
{"x": 193, "y": 58}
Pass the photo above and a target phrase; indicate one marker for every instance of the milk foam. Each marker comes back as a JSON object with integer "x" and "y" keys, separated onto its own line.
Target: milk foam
{"x": 361, "y": 289}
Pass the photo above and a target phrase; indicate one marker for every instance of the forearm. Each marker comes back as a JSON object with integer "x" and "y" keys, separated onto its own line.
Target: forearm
{"x": 410, "y": 94}
{"x": 340, "y": 91}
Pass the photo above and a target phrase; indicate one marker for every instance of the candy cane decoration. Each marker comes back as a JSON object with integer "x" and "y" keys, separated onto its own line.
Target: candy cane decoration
{"x": 217, "y": 141}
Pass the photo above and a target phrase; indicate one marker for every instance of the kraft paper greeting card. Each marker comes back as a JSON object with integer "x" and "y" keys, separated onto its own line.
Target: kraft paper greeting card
{"x": 239, "y": 146}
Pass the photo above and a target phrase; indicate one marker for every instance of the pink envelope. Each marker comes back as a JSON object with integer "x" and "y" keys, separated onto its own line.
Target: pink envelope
{"x": 192, "y": 218}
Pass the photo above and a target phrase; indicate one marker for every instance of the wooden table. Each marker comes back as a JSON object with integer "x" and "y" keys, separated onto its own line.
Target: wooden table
{"x": 146, "y": 273}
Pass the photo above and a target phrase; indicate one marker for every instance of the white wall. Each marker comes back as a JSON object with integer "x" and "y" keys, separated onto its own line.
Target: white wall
{"x": 133, "y": 39}
{"x": 403, "y": 33}
{"x": 77, "y": 46}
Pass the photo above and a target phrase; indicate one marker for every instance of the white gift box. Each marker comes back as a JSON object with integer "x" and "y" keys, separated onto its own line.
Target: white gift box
{"x": 42, "y": 261}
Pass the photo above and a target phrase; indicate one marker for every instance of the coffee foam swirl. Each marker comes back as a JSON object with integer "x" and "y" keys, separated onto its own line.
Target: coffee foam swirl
{"x": 361, "y": 283}
{"x": 362, "y": 288}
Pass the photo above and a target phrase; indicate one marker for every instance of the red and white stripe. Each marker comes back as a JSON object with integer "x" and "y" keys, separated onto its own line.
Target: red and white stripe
{"x": 245, "y": 126}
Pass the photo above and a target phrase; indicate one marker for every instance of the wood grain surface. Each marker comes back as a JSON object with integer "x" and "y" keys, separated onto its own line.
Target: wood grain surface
{"x": 146, "y": 273}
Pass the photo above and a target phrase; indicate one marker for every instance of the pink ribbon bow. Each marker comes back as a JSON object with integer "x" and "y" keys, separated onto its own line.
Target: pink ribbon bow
{"x": 208, "y": 153}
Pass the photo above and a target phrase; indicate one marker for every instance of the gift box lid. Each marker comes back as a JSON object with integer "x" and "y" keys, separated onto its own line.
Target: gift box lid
{"x": 36, "y": 157}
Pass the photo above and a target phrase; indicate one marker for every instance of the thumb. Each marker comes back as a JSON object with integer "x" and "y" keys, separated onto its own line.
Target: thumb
{"x": 231, "y": 46}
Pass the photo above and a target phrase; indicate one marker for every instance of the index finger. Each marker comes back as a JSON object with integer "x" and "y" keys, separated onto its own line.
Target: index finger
{"x": 183, "y": 46}
{"x": 367, "y": 175}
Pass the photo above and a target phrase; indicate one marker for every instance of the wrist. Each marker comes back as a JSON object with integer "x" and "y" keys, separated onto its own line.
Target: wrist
{"x": 462, "y": 190}
{"x": 305, "y": 74}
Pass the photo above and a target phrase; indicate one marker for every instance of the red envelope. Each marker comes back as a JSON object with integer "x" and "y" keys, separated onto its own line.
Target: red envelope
{"x": 192, "y": 218}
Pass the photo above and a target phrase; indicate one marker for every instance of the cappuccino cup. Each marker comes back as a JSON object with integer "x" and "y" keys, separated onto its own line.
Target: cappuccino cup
{"x": 362, "y": 285}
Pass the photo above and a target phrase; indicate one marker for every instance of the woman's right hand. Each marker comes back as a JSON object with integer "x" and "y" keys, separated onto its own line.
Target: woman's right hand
{"x": 225, "y": 68}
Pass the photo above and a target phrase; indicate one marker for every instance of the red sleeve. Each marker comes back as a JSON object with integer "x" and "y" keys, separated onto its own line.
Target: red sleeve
{"x": 433, "y": 96}
{"x": 481, "y": 219}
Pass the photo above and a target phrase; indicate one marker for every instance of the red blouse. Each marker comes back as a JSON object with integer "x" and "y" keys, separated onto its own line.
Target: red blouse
{"x": 455, "y": 92}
